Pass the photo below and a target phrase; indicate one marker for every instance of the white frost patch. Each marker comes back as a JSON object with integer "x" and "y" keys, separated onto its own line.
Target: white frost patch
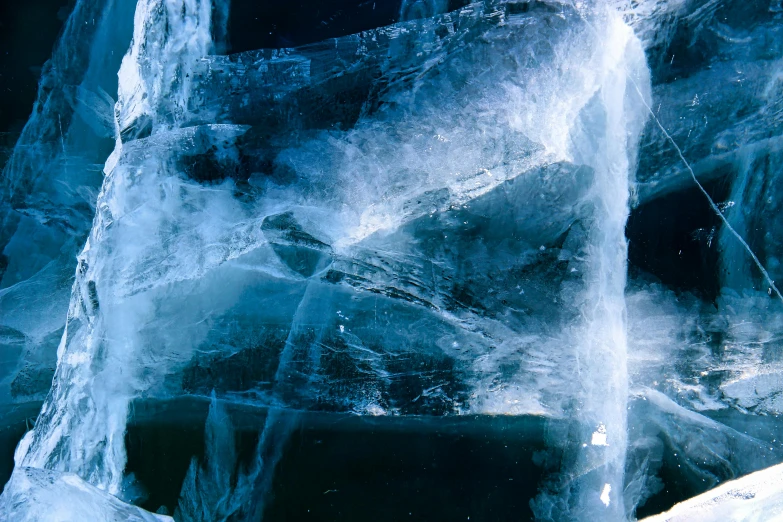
{"x": 599, "y": 437}
{"x": 757, "y": 497}
{"x": 605, "y": 494}
{"x": 374, "y": 410}
{"x": 762, "y": 391}
{"x": 75, "y": 359}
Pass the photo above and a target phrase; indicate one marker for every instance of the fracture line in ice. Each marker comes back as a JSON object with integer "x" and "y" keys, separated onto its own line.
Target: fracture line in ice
{"x": 714, "y": 207}
{"x": 711, "y": 201}
{"x": 685, "y": 162}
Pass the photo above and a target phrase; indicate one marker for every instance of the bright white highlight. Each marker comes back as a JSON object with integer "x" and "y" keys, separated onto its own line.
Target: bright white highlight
{"x": 605, "y": 494}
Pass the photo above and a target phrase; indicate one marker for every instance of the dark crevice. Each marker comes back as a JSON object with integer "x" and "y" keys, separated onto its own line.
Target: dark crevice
{"x": 274, "y": 25}
{"x": 676, "y": 240}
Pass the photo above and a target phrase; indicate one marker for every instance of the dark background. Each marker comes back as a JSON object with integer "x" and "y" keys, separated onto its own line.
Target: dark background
{"x": 28, "y": 30}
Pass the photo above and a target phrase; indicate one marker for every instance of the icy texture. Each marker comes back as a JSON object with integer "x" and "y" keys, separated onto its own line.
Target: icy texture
{"x": 424, "y": 218}
{"x": 718, "y": 92}
{"x": 213, "y": 491}
{"x": 39, "y": 495}
{"x": 167, "y": 250}
{"x": 82, "y": 423}
{"x": 755, "y": 497}
{"x": 48, "y": 190}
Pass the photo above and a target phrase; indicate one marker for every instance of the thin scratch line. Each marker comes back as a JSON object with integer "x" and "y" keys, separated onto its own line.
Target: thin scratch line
{"x": 693, "y": 174}
{"x": 706, "y": 195}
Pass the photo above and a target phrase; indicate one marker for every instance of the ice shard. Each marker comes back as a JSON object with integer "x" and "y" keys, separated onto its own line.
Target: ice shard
{"x": 428, "y": 219}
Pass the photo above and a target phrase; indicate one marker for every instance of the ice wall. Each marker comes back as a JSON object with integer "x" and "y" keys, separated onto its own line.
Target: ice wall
{"x": 605, "y": 137}
{"x": 436, "y": 140}
{"x": 102, "y": 359}
{"x": 48, "y": 191}
{"x": 715, "y": 79}
{"x": 377, "y": 225}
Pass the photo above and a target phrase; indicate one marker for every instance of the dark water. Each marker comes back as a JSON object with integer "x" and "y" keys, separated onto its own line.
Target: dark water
{"x": 351, "y": 468}
{"x": 341, "y": 467}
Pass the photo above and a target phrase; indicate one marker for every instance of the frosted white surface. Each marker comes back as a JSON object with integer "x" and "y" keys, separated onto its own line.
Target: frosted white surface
{"x": 752, "y": 498}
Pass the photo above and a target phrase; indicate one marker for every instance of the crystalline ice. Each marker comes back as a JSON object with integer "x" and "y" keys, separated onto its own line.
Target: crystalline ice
{"x": 424, "y": 218}
{"x": 753, "y": 497}
{"x": 40, "y": 495}
{"x": 49, "y": 187}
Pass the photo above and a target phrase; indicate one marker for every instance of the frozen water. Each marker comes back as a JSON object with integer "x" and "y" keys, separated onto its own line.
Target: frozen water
{"x": 424, "y": 218}
{"x": 49, "y": 187}
{"x": 208, "y": 492}
{"x": 753, "y": 497}
{"x": 41, "y": 495}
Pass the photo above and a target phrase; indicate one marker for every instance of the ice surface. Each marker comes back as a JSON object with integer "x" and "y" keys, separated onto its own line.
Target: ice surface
{"x": 48, "y": 191}
{"x": 81, "y": 425}
{"x": 40, "y": 495}
{"x": 322, "y": 206}
{"x": 716, "y": 71}
{"x": 426, "y": 218}
{"x": 755, "y": 497}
